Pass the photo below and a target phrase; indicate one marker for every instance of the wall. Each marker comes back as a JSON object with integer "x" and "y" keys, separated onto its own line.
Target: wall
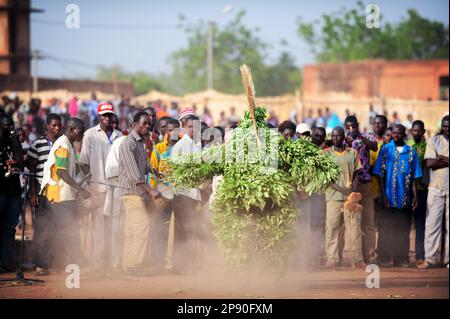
{"x": 377, "y": 78}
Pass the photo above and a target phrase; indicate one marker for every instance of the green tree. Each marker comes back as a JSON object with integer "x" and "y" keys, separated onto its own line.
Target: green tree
{"x": 142, "y": 82}
{"x": 282, "y": 77}
{"x": 234, "y": 44}
{"x": 344, "y": 36}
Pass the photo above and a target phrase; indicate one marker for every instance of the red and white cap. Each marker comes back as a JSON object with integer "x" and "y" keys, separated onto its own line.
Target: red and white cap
{"x": 105, "y": 108}
{"x": 185, "y": 112}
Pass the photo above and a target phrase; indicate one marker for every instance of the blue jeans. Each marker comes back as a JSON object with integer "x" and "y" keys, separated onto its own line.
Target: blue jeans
{"x": 10, "y": 207}
{"x": 419, "y": 223}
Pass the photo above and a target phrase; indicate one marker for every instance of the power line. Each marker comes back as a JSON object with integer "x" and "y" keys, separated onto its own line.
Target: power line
{"x": 67, "y": 68}
{"x": 69, "y": 61}
{"x": 108, "y": 26}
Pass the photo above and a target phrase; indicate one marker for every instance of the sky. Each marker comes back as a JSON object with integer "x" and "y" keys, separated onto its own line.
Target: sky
{"x": 77, "y": 52}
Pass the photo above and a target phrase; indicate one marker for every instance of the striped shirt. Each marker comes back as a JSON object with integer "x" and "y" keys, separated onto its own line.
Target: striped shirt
{"x": 39, "y": 150}
{"x": 133, "y": 164}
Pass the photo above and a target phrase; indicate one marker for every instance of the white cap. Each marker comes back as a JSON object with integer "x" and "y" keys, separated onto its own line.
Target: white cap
{"x": 12, "y": 95}
{"x": 303, "y": 128}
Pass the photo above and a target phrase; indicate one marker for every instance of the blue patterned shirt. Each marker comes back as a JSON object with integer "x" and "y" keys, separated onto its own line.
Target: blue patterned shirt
{"x": 399, "y": 171}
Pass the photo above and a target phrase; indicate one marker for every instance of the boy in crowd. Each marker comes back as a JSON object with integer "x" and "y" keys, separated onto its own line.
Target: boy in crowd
{"x": 349, "y": 162}
{"x": 419, "y": 144}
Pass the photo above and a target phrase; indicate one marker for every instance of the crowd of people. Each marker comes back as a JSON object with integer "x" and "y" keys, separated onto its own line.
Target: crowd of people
{"x": 400, "y": 178}
{"x": 98, "y": 176}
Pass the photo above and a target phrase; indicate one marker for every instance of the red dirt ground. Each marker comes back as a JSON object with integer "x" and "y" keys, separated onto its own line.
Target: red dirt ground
{"x": 341, "y": 283}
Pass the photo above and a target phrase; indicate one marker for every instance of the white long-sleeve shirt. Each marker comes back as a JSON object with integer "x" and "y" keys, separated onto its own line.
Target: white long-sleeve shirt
{"x": 94, "y": 151}
{"x": 186, "y": 146}
{"x": 112, "y": 160}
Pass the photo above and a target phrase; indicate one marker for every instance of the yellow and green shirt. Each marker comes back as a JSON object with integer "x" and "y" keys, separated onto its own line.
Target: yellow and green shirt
{"x": 158, "y": 160}
{"x": 376, "y": 189}
{"x": 52, "y": 192}
{"x": 420, "y": 149}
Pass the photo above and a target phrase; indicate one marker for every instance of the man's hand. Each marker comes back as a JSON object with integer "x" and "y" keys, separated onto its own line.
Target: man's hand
{"x": 349, "y": 140}
{"x": 34, "y": 201}
{"x": 385, "y": 202}
{"x": 414, "y": 203}
{"x": 84, "y": 193}
{"x": 11, "y": 165}
{"x": 159, "y": 174}
{"x": 344, "y": 190}
{"x": 443, "y": 159}
{"x": 153, "y": 193}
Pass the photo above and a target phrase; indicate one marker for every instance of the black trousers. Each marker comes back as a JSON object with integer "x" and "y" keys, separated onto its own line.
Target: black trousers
{"x": 43, "y": 234}
{"x": 186, "y": 233}
{"x": 10, "y": 209}
{"x": 419, "y": 223}
{"x": 393, "y": 234}
{"x": 159, "y": 237}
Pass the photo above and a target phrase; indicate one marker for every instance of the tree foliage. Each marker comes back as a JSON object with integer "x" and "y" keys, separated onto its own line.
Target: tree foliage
{"x": 142, "y": 82}
{"x": 344, "y": 36}
{"x": 234, "y": 44}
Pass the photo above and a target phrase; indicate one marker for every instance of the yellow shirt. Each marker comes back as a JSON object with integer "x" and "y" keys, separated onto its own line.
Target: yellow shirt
{"x": 375, "y": 179}
{"x": 157, "y": 160}
{"x": 61, "y": 162}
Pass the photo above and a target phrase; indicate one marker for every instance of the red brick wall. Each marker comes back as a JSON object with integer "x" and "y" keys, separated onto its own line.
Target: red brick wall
{"x": 377, "y": 78}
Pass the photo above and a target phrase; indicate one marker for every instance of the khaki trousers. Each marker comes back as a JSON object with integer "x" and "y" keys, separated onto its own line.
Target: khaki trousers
{"x": 353, "y": 240}
{"x": 137, "y": 221}
{"x": 437, "y": 211}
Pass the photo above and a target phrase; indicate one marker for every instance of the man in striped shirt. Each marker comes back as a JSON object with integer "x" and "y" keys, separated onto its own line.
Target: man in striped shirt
{"x": 133, "y": 166}
{"x": 37, "y": 156}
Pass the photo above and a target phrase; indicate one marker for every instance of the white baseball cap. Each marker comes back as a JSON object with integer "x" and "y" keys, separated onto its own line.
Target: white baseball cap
{"x": 303, "y": 128}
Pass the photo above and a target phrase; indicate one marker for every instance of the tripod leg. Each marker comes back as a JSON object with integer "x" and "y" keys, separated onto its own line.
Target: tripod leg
{"x": 22, "y": 242}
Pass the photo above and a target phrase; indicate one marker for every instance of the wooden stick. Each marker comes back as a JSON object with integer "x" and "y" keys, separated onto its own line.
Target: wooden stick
{"x": 249, "y": 87}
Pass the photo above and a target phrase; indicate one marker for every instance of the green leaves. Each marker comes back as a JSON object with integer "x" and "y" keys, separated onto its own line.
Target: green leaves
{"x": 344, "y": 36}
{"x": 310, "y": 169}
{"x": 254, "y": 210}
{"x": 260, "y": 116}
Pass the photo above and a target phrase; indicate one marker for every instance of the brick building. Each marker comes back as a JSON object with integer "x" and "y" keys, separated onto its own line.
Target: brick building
{"x": 15, "y": 56}
{"x": 421, "y": 80}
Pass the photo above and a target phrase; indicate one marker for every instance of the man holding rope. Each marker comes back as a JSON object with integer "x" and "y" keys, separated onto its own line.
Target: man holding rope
{"x": 94, "y": 151}
{"x": 133, "y": 166}
{"x": 62, "y": 191}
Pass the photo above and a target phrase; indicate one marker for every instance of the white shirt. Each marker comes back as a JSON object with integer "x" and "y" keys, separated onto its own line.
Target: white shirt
{"x": 112, "y": 160}
{"x": 186, "y": 146}
{"x": 94, "y": 151}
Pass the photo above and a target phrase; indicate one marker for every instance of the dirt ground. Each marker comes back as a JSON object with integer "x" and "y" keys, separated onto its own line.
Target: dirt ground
{"x": 317, "y": 283}
{"x": 395, "y": 283}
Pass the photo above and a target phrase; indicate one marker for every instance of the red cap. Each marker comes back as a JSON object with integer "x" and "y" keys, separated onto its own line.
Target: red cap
{"x": 104, "y": 108}
{"x": 185, "y": 112}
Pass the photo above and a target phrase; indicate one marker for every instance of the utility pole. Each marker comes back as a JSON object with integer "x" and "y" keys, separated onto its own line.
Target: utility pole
{"x": 114, "y": 82}
{"x": 34, "y": 69}
{"x": 209, "y": 55}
